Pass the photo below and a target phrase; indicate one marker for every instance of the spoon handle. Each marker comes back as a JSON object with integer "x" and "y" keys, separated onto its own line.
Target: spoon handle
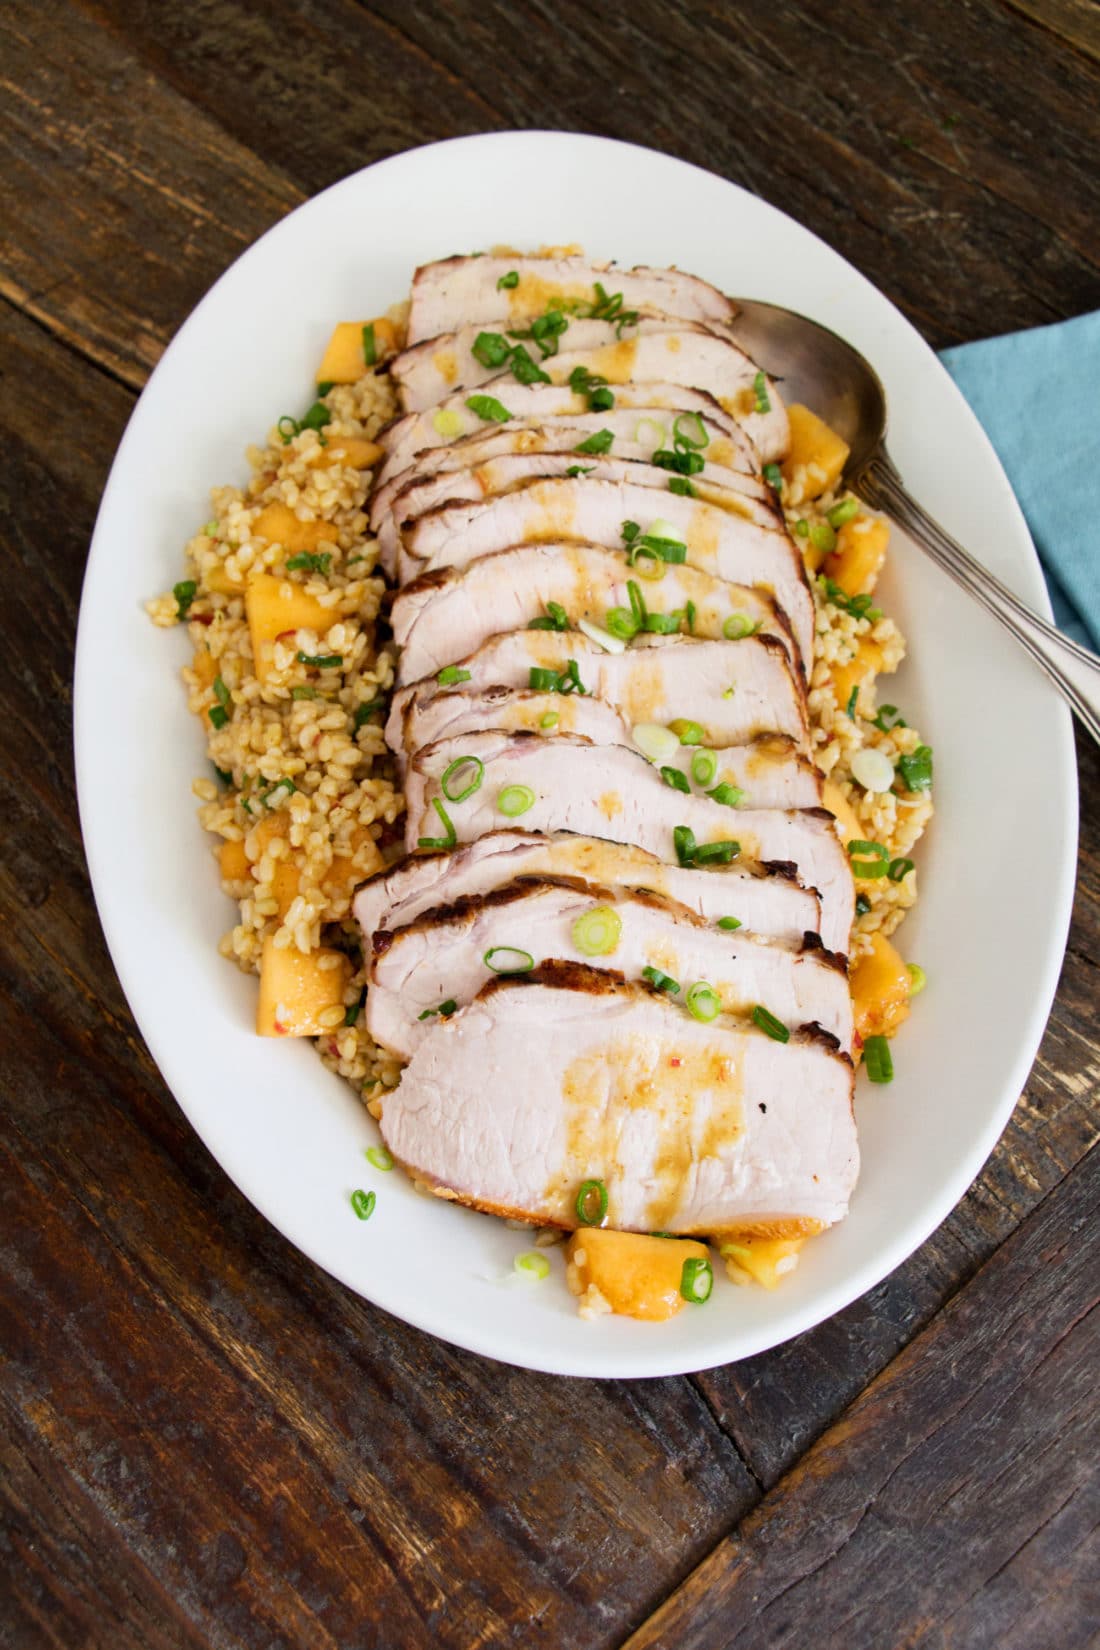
{"x": 1074, "y": 671}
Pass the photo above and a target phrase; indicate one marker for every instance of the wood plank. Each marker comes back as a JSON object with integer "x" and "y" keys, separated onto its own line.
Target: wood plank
{"x": 957, "y": 1502}
{"x": 1077, "y": 22}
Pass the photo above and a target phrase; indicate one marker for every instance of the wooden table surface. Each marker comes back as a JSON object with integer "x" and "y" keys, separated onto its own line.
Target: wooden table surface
{"x": 206, "y": 1442}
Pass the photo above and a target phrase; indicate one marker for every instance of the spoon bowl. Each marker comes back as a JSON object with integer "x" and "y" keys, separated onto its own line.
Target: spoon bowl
{"x": 827, "y": 374}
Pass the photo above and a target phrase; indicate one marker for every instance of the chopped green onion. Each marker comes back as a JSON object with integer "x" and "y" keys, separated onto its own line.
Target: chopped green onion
{"x": 918, "y": 979}
{"x": 655, "y": 742}
{"x": 773, "y": 475}
{"x": 822, "y": 537}
{"x": 221, "y": 693}
{"x": 514, "y": 800}
{"x": 841, "y": 512}
{"x": 853, "y": 699}
{"x": 878, "y": 1060}
{"x": 447, "y": 841}
{"x": 363, "y": 713}
{"x": 445, "y": 1010}
{"x": 591, "y": 1203}
{"x": 575, "y": 470}
{"x": 570, "y": 679}
{"x": 729, "y": 923}
{"x": 768, "y": 1023}
{"x": 602, "y": 638}
{"x": 370, "y": 348}
{"x": 184, "y": 593}
{"x": 730, "y": 796}
{"x": 637, "y": 601}
{"x": 211, "y": 527}
{"x": 717, "y": 853}
{"x": 321, "y": 661}
{"x": 802, "y": 527}
{"x": 599, "y": 442}
{"x": 915, "y": 771}
{"x": 704, "y": 766}
{"x": 508, "y": 959}
{"x": 703, "y": 1002}
{"x": 690, "y": 431}
{"x": 492, "y": 349}
{"x": 621, "y": 622}
{"x": 863, "y": 905}
{"x": 316, "y": 418}
{"x": 547, "y": 329}
{"x": 542, "y": 680}
{"x": 379, "y": 1158}
{"x": 663, "y": 982}
{"x": 696, "y": 1280}
{"x": 630, "y": 531}
{"x": 601, "y": 399}
{"x": 550, "y": 720}
{"x": 291, "y": 430}
{"x": 895, "y": 721}
{"x": 900, "y": 869}
{"x": 218, "y": 716}
{"x": 354, "y": 1009}
{"x": 677, "y": 780}
{"x": 760, "y": 391}
{"x": 671, "y": 550}
{"x": 507, "y": 282}
{"x": 596, "y": 933}
{"x": 474, "y": 770}
{"x": 687, "y": 732}
{"x": 363, "y": 1204}
{"x": 533, "y": 1265}
{"x": 226, "y": 778}
{"x": 308, "y": 562}
{"x": 325, "y": 385}
{"x": 451, "y": 675}
{"x": 555, "y": 618}
{"x": 286, "y": 785}
{"x": 647, "y": 564}
{"x": 663, "y": 624}
{"x": 488, "y": 408}
{"x": 739, "y": 625}
{"x": 524, "y": 370}
{"x": 683, "y": 460}
{"x": 682, "y": 486}
{"x": 689, "y": 615}
{"x": 683, "y": 840}
{"x": 868, "y": 859}
{"x": 448, "y": 421}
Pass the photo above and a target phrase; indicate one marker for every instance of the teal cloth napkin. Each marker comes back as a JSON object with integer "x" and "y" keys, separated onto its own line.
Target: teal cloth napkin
{"x": 1037, "y": 394}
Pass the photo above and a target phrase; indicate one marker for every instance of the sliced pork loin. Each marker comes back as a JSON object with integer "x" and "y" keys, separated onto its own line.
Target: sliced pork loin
{"x": 407, "y": 439}
{"x": 766, "y": 900}
{"x": 569, "y": 784}
{"x": 441, "y": 957}
{"x": 718, "y": 541}
{"x": 634, "y": 436}
{"x": 734, "y": 690}
{"x": 456, "y": 291}
{"x": 692, "y": 1128}
{"x": 447, "y": 614}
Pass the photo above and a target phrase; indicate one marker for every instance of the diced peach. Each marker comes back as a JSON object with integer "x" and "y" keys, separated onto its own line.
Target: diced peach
{"x": 638, "y": 1276}
{"x": 763, "y": 1260}
{"x": 343, "y": 361}
{"x": 297, "y": 989}
{"x": 860, "y": 551}
{"x": 205, "y": 667}
{"x": 276, "y": 607}
{"x": 837, "y": 803}
{"x": 881, "y": 986}
{"x": 217, "y": 578}
{"x": 342, "y": 876}
{"x": 816, "y": 449}
{"x": 233, "y": 862}
{"x": 279, "y": 525}
{"x": 352, "y": 450}
{"x": 859, "y": 672}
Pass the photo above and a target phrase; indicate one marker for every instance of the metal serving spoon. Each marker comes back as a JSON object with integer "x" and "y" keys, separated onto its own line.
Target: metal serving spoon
{"x": 821, "y": 370}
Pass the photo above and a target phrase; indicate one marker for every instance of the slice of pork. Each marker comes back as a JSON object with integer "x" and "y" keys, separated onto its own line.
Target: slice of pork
{"x": 450, "y": 715}
{"x": 615, "y": 792}
{"x": 736, "y": 1130}
{"x": 441, "y": 958}
{"x": 455, "y": 291}
{"x": 736, "y": 691}
{"x": 594, "y": 512}
{"x": 408, "y": 438}
{"x": 765, "y": 900}
{"x": 445, "y": 615}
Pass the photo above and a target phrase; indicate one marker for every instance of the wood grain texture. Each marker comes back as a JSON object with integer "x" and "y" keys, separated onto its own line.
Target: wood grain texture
{"x": 207, "y": 1442}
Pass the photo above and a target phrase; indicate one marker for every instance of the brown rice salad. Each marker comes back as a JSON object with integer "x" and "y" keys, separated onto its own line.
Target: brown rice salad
{"x": 292, "y": 689}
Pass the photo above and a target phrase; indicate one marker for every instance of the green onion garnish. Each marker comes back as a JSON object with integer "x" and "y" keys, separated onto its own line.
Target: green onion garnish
{"x": 596, "y": 933}
{"x": 599, "y": 442}
{"x": 760, "y": 391}
{"x": 703, "y": 1002}
{"x": 687, "y": 732}
{"x": 730, "y": 796}
{"x": 287, "y": 785}
{"x": 447, "y": 841}
{"x": 184, "y": 593}
{"x": 308, "y": 562}
{"x": 508, "y": 959}
{"x": 492, "y": 349}
{"x": 445, "y": 1010}
{"x": 773, "y": 475}
{"x": 802, "y": 527}
{"x": 739, "y": 625}
{"x": 670, "y": 550}
{"x": 704, "y": 766}
{"x": 853, "y": 698}
{"x": 524, "y": 370}
{"x": 663, "y": 982}
{"x": 471, "y": 771}
{"x": 621, "y": 622}
{"x": 878, "y": 1060}
{"x": 291, "y": 428}
{"x": 221, "y": 692}
{"x": 682, "y": 486}
{"x": 678, "y": 781}
{"x": 321, "y": 661}
{"x": 591, "y": 1203}
{"x": 899, "y": 869}
{"x": 683, "y": 840}
{"x": 316, "y": 418}
{"x": 637, "y": 601}
{"x": 869, "y": 859}
{"x": 325, "y": 385}
{"x": 690, "y": 431}
{"x": 689, "y": 616}
{"x": 858, "y": 606}
{"x": 630, "y": 531}
{"x": 729, "y": 923}
{"x": 575, "y": 470}
{"x": 514, "y": 800}
{"x": 488, "y": 408}
{"x": 863, "y": 905}
{"x": 379, "y": 1158}
{"x": 915, "y": 771}
{"x": 663, "y": 624}
{"x": 533, "y": 1265}
{"x": 218, "y": 716}
{"x": 370, "y": 349}
{"x": 717, "y": 853}
{"x": 842, "y": 512}
{"x": 555, "y": 618}
{"x": 550, "y": 720}
{"x": 683, "y": 460}
{"x": 918, "y": 979}
{"x": 542, "y": 680}
{"x": 696, "y": 1280}
{"x": 507, "y": 282}
{"x": 823, "y": 538}
{"x": 768, "y": 1023}
{"x": 354, "y": 1009}
{"x": 451, "y": 675}
{"x": 601, "y": 399}
{"x": 363, "y": 1204}
{"x": 363, "y": 713}
{"x": 226, "y": 778}
{"x": 895, "y": 721}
